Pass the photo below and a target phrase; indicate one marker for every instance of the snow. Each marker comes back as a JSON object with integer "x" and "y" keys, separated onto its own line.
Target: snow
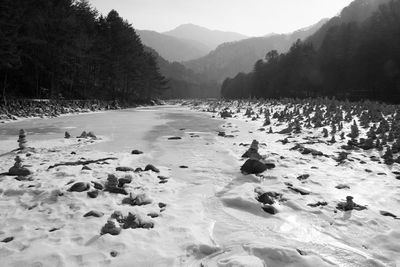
{"x": 211, "y": 216}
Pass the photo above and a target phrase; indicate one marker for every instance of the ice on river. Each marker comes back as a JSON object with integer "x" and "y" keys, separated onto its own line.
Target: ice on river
{"x": 211, "y": 216}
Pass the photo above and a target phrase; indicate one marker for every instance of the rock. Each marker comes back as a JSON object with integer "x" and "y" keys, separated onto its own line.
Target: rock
{"x": 162, "y": 177}
{"x": 94, "y": 213}
{"x": 153, "y": 214}
{"x": 110, "y": 228}
{"x": 136, "y": 152}
{"x": 222, "y": 134}
{"x": 22, "y": 143}
{"x": 137, "y": 221}
{"x": 130, "y": 222}
{"x": 79, "y": 187}
{"x": 162, "y": 205}
{"x": 18, "y": 169}
{"x": 124, "y": 169}
{"x": 174, "y": 138}
{"x": 386, "y": 213}
{"x": 270, "y": 209}
{"x": 138, "y": 200}
{"x": 150, "y": 167}
{"x": 114, "y": 253}
{"x": 92, "y": 135}
{"x": 265, "y": 199}
{"x": 252, "y": 166}
{"x": 303, "y": 177}
{"x": 183, "y": 167}
{"x": 138, "y": 169}
{"x": 86, "y": 168}
{"x": 7, "y": 239}
{"x": 319, "y": 203}
{"x": 117, "y": 215}
{"x": 287, "y": 130}
{"x": 112, "y": 181}
{"x": 349, "y": 205}
{"x": 124, "y": 180}
{"x": 117, "y": 190}
{"x": 225, "y": 114}
{"x": 299, "y": 190}
{"x": 97, "y": 185}
{"x": 252, "y": 152}
{"x": 67, "y": 135}
{"x": 93, "y": 193}
{"x": 83, "y": 135}
{"x": 342, "y": 186}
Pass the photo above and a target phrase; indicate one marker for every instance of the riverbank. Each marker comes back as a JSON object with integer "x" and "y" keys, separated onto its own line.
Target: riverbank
{"x": 18, "y": 109}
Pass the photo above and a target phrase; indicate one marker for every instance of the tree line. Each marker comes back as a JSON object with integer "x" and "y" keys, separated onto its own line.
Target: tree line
{"x": 66, "y": 49}
{"x": 354, "y": 61}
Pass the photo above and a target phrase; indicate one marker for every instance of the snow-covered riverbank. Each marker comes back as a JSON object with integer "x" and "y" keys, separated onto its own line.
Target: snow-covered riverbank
{"x": 204, "y": 212}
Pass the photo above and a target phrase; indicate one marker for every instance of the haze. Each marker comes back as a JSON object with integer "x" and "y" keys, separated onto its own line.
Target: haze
{"x": 249, "y": 17}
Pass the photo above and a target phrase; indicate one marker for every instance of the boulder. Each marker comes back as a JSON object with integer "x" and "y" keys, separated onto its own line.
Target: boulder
{"x": 97, "y": 185}
{"x": 94, "y": 213}
{"x": 124, "y": 180}
{"x": 93, "y": 193}
{"x": 270, "y": 209}
{"x": 79, "y": 187}
{"x": 252, "y": 166}
{"x": 136, "y": 152}
{"x": 265, "y": 199}
{"x": 124, "y": 169}
{"x": 110, "y": 228}
{"x": 150, "y": 167}
{"x": 138, "y": 200}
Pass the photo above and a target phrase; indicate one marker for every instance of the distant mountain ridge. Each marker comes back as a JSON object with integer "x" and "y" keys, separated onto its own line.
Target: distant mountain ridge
{"x": 211, "y": 38}
{"x": 172, "y": 48}
{"x": 229, "y": 59}
{"x": 183, "y": 82}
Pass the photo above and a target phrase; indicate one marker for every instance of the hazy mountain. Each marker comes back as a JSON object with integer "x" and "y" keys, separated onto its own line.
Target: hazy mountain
{"x": 231, "y": 58}
{"x": 211, "y": 38}
{"x": 183, "y": 82}
{"x": 172, "y": 48}
{"x": 357, "y": 11}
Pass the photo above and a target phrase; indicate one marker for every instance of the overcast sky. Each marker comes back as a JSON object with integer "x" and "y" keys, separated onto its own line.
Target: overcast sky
{"x": 249, "y": 17}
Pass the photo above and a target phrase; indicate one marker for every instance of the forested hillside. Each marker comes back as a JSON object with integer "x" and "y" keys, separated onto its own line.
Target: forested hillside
{"x": 356, "y": 60}
{"x": 229, "y": 59}
{"x": 64, "y": 48}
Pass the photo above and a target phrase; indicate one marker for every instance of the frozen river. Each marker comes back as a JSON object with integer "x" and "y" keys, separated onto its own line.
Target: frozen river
{"x": 212, "y": 206}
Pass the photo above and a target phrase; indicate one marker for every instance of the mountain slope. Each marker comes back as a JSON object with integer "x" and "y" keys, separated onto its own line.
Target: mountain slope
{"x": 357, "y": 59}
{"x": 183, "y": 82}
{"x": 231, "y": 58}
{"x": 357, "y": 11}
{"x": 172, "y": 48}
{"x": 211, "y": 38}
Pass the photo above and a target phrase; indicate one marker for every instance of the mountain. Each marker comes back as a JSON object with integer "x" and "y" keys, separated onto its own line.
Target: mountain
{"x": 172, "y": 48}
{"x": 358, "y": 58}
{"x": 357, "y": 12}
{"x": 210, "y": 38}
{"x": 183, "y": 82}
{"x": 229, "y": 59}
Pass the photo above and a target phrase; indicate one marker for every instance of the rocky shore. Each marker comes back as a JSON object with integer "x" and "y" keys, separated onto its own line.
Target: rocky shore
{"x": 17, "y": 109}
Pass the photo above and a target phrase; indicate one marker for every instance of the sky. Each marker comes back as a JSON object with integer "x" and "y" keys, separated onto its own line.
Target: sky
{"x": 248, "y": 17}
